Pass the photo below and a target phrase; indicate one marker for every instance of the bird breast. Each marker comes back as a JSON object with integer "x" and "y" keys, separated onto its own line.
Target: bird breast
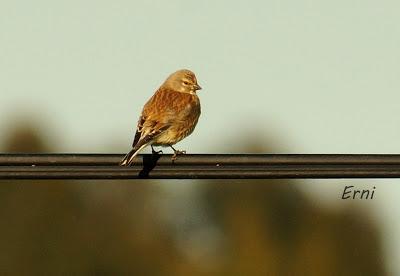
{"x": 183, "y": 124}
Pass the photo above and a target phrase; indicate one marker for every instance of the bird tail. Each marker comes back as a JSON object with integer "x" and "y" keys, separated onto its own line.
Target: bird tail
{"x": 128, "y": 158}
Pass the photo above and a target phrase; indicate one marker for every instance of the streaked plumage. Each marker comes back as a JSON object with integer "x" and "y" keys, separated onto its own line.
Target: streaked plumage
{"x": 169, "y": 116}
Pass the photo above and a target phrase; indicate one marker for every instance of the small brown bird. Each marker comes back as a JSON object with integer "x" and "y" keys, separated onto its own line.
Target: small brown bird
{"x": 169, "y": 116}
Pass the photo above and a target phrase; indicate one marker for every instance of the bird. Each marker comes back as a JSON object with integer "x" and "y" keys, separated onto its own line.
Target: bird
{"x": 169, "y": 116}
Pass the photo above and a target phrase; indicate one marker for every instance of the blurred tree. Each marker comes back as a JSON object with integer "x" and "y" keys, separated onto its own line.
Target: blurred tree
{"x": 264, "y": 227}
{"x": 25, "y": 138}
{"x": 269, "y": 228}
{"x": 76, "y": 228}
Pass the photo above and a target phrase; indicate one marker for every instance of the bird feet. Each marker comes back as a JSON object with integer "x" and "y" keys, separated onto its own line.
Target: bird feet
{"x": 176, "y": 153}
{"x": 156, "y": 152}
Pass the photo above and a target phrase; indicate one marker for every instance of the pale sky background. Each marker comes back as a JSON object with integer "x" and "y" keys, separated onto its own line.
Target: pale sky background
{"x": 311, "y": 76}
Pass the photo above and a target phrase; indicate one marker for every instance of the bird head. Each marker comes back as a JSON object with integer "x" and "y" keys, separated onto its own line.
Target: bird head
{"x": 183, "y": 81}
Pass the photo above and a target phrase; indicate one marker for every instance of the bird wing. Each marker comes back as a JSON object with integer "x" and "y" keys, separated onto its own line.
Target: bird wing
{"x": 161, "y": 111}
{"x": 138, "y": 131}
{"x": 156, "y": 117}
{"x": 147, "y": 132}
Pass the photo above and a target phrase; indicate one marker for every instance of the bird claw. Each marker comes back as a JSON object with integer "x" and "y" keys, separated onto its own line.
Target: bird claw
{"x": 157, "y": 152}
{"x": 153, "y": 152}
{"x": 176, "y": 153}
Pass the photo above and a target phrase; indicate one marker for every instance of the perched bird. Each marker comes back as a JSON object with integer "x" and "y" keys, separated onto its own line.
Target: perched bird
{"x": 169, "y": 115}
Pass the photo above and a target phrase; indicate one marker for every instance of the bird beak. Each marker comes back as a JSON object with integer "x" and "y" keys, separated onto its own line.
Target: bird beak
{"x": 197, "y": 87}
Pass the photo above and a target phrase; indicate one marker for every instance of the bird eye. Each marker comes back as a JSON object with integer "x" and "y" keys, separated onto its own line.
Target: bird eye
{"x": 186, "y": 83}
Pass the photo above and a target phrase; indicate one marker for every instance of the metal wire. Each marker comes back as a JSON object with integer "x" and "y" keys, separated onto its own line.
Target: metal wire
{"x": 199, "y": 166}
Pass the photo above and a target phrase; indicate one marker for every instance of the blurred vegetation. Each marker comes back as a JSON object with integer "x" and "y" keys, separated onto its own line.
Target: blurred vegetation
{"x": 119, "y": 228}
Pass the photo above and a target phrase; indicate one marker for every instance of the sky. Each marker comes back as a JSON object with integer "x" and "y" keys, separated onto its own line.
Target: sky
{"x": 309, "y": 76}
